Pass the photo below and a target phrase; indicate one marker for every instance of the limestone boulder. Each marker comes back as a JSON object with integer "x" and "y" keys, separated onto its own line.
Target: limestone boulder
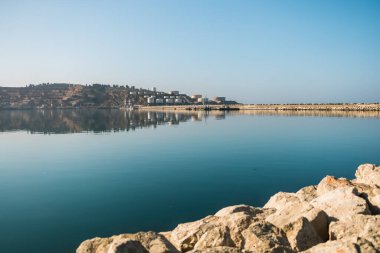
{"x": 220, "y": 249}
{"x": 186, "y": 235}
{"x": 220, "y": 230}
{"x": 307, "y": 193}
{"x": 363, "y": 226}
{"x": 354, "y": 245}
{"x": 368, "y": 174}
{"x": 262, "y": 236}
{"x": 140, "y": 242}
{"x": 229, "y": 228}
{"x": 341, "y": 203}
{"x": 330, "y": 183}
{"x": 250, "y": 210}
{"x": 370, "y": 193}
{"x": 292, "y": 212}
{"x": 281, "y": 199}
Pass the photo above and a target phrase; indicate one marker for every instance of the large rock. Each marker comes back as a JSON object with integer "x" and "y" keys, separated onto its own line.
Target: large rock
{"x": 220, "y": 249}
{"x": 370, "y": 193}
{"x": 262, "y": 236}
{"x": 186, "y": 235}
{"x": 140, "y": 242}
{"x": 330, "y": 183}
{"x": 281, "y": 199}
{"x": 364, "y": 226}
{"x": 293, "y": 211}
{"x": 301, "y": 234}
{"x": 354, "y": 245}
{"x": 341, "y": 203}
{"x": 368, "y": 174}
{"x": 307, "y": 193}
{"x": 225, "y": 229}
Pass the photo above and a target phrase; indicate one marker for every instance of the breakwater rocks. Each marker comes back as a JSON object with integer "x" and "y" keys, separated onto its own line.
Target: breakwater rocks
{"x": 337, "y": 215}
{"x": 330, "y": 107}
{"x": 315, "y": 107}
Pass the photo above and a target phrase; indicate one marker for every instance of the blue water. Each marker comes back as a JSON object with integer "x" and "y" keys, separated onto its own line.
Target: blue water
{"x": 69, "y": 176}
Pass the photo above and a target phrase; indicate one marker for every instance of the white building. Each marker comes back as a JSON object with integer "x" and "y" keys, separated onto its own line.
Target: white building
{"x": 196, "y": 96}
{"x": 220, "y": 99}
{"x": 169, "y": 101}
{"x": 151, "y": 100}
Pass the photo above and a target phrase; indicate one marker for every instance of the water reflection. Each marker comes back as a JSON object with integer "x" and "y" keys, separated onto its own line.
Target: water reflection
{"x": 75, "y": 121}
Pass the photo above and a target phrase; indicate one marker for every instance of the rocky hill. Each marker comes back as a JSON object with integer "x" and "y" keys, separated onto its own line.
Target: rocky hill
{"x": 62, "y": 95}
{"x": 337, "y": 215}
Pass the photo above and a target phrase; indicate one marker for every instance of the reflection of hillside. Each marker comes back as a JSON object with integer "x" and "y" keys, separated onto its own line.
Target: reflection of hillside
{"x": 73, "y": 121}
{"x": 87, "y": 120}
{"x": 354, "y": 114}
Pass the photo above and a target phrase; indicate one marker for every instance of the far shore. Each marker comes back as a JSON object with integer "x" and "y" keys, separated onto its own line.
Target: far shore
{"x": 326, "y": 107}
{"x": 272, "y": 107}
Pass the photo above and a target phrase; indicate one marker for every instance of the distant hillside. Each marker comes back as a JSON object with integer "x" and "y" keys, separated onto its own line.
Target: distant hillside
{"x": 63, "y": 95}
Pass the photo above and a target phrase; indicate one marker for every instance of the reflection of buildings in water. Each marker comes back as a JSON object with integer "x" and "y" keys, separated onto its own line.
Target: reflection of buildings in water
{"x": 73, "y": 121}
{"x": 220, "y": 116}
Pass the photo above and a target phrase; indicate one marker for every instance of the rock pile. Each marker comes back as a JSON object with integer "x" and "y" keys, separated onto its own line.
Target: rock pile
{"x": 337, "y": 215}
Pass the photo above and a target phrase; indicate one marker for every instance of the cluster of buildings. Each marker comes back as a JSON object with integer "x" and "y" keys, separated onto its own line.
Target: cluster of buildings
{"x": 175, "y": 98}
{"x": 169, "y": 98}
{"x": 64, "y": 95}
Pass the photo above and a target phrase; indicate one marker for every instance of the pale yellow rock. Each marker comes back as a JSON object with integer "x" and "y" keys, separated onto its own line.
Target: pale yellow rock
{"x": 354, "y": 245}
{"x": 307, "y": 193}
{"x": 215, "y": 237}
{"x": 224, "y": 229}
{"x": 126, "y": 245}
{"x": 262, "y": 236}
{"x": 341, "y": 203}
{"x": 245, "y": 209}
{"x": 369, "y": 193}
{"x": 364, "y": 226}
{"x": 281, "y": 199}
{"x": 139, "y": 242}
{"x": 330, "y": 183}
{"x": 368, "y": 174}
{"x": 221, "y": 249}
{"x": 301, "y": 234}
{"x": 294, "y": 211}
{"x": 186, "y": 235}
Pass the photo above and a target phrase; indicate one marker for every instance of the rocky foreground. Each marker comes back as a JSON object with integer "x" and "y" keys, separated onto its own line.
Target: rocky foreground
{"x": 337, "y": 215}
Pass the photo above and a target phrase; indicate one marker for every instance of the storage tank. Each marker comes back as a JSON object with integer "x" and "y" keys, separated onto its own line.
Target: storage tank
{"x": 169, "y": 101}
{"x": 151, "y": 100}
{"x": 220, "y": 99}
{"x": 202, "y": 100}
{"x": 196, "y": 96}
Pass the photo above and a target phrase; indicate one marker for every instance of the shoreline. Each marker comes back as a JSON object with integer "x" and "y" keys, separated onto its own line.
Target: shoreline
{"x": 336, "y": 215}
{"x": 272, "y": 107}
{"x": 346, "y": 107}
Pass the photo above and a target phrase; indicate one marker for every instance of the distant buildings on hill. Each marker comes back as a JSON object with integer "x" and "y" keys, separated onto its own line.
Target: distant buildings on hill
{"x": 175, "y": 98}
{"x": 64, "y": 95}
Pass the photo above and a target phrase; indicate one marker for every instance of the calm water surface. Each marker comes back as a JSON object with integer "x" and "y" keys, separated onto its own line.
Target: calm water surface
{"x": 66, "y": 176}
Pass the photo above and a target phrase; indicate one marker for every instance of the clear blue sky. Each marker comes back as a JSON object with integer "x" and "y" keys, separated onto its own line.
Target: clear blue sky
{"x": 251, "y": 51}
